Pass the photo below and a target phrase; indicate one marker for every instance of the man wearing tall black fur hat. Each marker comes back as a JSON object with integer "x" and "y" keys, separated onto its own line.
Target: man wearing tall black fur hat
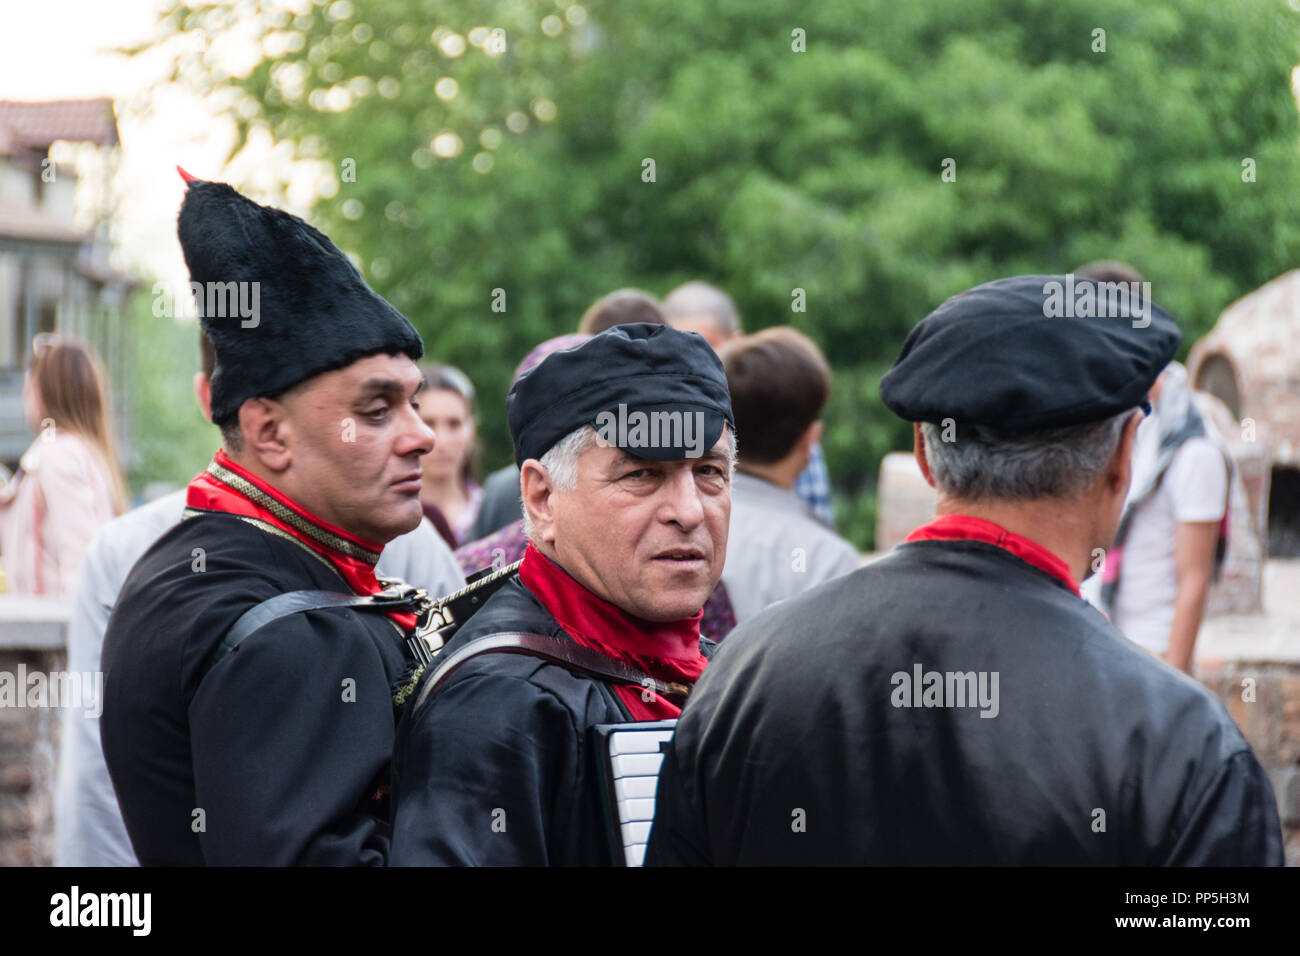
{"x": 273, "y": 749}
{"x": 957, "y": 702}
{"x": 625, "y": 447}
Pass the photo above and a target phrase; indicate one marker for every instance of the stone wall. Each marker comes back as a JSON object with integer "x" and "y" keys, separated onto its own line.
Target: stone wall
{"x": 1264, "y": 699}
{"x": 32, "y": 640}
{"x": 1250, "y": 359}
{"x": 1240, "y": 590}
{"x": 1252, "y": 662}
{"x": 29, "y": 739}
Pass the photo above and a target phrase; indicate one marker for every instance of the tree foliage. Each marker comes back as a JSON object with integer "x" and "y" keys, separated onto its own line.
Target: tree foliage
{"x": 776, "y": 170}
{"x": 170, "y": 440}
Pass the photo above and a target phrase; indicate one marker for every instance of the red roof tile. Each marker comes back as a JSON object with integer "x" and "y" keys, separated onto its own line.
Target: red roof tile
{"x": 37, "y": 125}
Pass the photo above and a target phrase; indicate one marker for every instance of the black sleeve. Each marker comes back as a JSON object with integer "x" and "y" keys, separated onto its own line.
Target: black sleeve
{"x": 481, "y": 770}
{"x": 292, "y": 734}
{"x": 678, "y": 836}
{"x": 1233, "y": 821}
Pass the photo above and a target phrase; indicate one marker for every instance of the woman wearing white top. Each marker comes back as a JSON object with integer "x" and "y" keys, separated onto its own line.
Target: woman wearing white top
{"x": 67, "y": 484}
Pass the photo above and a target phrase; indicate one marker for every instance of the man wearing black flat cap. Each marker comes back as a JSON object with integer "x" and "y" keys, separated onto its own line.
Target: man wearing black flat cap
{"x": 957, "y": 702}
{"x": 237, "y": 740}
{"x": 625, "y": 450}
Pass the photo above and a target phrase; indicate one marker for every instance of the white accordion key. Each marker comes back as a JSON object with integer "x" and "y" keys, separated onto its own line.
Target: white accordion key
{"x": 637, "y": 765}
{"x": 637, "y": 741}
{"x": 636, "y": 833}
{"x": 633, "y": 755}
{"x": 635, "y": 788}
{"x": 635, "y": 855}
{"x": 631, "y": 811}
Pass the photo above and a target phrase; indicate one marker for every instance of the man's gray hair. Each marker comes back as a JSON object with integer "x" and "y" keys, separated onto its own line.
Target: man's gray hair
{"x": 561, "y": 462}
{"x": 700, "y": 298}
{"x": 982, "y": 463}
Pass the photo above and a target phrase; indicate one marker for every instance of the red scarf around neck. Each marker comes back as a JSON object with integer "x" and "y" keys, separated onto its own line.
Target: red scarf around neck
{"x": 957, "y": 527}
{"x": 667, "y": 651}
{"x": 225, "y": 486}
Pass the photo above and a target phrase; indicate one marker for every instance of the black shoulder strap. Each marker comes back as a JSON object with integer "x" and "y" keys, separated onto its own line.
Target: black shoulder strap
{"x": 435, "y": 619}
{"x": 293, "y": 602}
{"x": 566, "y": 652}
{"x": 282, "y": 605}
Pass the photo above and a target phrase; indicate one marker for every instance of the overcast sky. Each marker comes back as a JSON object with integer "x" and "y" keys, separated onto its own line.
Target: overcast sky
{"x": 64, "y": 50}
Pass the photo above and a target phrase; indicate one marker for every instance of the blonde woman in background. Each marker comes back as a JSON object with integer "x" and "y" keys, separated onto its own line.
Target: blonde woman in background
{"x": 67, "y": 483}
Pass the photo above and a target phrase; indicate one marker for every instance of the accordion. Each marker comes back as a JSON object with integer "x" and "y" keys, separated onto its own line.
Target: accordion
{"x": 629, "y": 757}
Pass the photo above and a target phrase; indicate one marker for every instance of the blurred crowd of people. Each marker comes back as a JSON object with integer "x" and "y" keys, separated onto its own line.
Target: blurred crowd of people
{"x": 68, "y": 483}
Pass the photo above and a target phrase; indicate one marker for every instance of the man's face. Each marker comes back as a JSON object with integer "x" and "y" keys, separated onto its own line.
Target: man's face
{"x": 647, "y": 536}
{"x": 355, "y": 440}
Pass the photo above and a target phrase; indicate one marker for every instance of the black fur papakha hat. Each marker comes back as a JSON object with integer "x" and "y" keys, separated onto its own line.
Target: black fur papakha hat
{"x": 279, "y": 301}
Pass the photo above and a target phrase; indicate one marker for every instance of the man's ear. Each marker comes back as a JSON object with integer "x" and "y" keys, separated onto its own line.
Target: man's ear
{"x": 918, "y": 449}
{"x": 267, "y": 433}
{"x": 812, "y": 435}
{"x": 537, "y": 492}
{"x": 203, "y": 392}
{"x": 1120, "y": 470}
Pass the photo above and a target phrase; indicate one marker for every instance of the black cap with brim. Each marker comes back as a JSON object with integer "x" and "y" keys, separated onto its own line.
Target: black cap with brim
{"x": 650, "y": 390}
{"x": 1032, "y": 352}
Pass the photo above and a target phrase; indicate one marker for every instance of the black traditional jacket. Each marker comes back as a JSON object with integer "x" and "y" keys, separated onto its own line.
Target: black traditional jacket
{"x": 496, "y": 768}
{"x": 953, "y": 704}
{"x": 280, "y": 753}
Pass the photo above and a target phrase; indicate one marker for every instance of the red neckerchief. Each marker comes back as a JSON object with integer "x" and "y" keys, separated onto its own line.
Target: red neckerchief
{"x": 225, "y": 486}
{"x": 967, "y": 528}
{"x": 669, "y": 652}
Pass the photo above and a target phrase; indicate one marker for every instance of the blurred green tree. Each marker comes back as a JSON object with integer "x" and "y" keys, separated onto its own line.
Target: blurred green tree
{"x": 556, "y": 151}
{"x": 171, "y": 440}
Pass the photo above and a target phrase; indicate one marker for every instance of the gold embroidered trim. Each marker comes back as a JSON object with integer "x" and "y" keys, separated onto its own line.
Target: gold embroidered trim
{"x": 404, "y": 694}
{"x": 269, "y": 529}
{"x": 291, "y": 517}
{"x": 272, "y": 529}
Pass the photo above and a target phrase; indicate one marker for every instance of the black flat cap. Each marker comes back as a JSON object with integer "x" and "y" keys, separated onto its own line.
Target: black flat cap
{"x": 314, "y": 311}
{"x": 649, "y": 389}
{"x": 1033, "y": 352}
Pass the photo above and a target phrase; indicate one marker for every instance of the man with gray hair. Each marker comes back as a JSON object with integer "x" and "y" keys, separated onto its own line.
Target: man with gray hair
{"x": 625, "y": 448}
{"x": 957, "y": 702}
{"x": 708, "y": 311}
{"x": 704, "y": 309}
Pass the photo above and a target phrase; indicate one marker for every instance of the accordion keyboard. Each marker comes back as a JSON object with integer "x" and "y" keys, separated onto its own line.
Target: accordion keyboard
{"x": 634, "y": 754}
